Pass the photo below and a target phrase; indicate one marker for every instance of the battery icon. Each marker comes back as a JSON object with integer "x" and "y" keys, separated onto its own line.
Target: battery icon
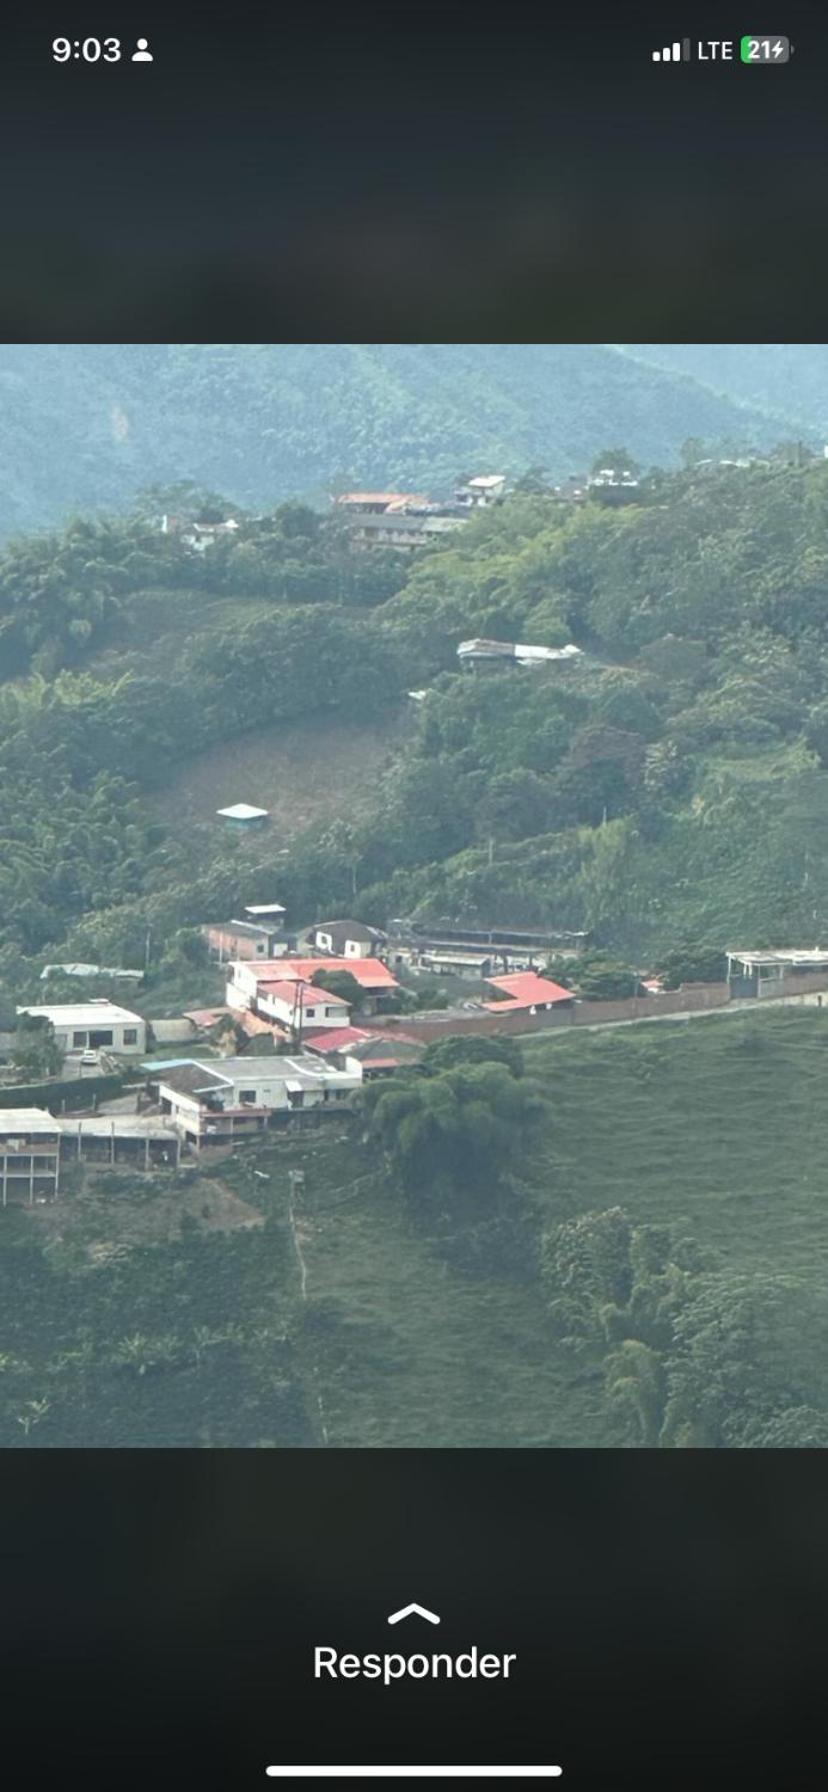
{"x": 765, "y": 50}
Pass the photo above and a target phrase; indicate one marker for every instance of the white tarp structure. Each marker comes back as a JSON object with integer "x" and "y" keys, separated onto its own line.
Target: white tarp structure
{"x": 523, "y": 652}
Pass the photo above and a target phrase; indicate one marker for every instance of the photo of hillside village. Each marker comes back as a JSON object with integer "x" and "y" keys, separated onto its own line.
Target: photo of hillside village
{"x": 414, "y": 877}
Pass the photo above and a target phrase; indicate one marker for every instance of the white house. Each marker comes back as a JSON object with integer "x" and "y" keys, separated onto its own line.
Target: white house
{"x": 88, "y": 1026}
{"x": 233, "y": 1098}
{"x": 346, "y": 939}
{"x": 296, "y": 1003}
{"x": 485, "y": 488}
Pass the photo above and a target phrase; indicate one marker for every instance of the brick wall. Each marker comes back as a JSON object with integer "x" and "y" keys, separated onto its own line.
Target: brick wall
{"x": 427, "y": 1028}
{"x": 801, "y": 983}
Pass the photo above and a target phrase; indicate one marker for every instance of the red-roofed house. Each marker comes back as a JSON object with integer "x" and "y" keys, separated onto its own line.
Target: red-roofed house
{"x": 377, "y": 503}
{"x": 527, "y": 990}
{"x": 370, "y": 973}
{"x": 295, "y": 1003}
{"x": 379, "y": 1054}
{"x": 248, "y": 981}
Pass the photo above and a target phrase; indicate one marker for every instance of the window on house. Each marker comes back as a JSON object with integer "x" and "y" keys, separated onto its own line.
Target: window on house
{"x": 79, "y": 1038}
{"x": 311, "y": 1013}
{"x": 247, "y": 1095}
{"x": 130, "y": 1035}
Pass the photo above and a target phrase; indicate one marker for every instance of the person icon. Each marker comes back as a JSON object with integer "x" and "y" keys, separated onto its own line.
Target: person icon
{"x": 142, "y": 51}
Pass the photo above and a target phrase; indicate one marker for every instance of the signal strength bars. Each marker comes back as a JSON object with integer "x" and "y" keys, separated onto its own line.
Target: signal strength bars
{"x": 675, "y": 52}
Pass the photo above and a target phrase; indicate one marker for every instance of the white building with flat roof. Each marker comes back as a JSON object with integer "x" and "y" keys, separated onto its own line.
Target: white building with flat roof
{"x": 29, "y": 1155}
{"x": 90, "y": 1026}
{"x": 229, "y": 1099}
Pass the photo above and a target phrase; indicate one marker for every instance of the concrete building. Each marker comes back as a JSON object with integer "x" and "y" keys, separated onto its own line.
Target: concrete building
{"x": 377, "y": 503}
{"x": 473, "y": 966}
{"x": 764, "y": 973}
{"x": 245, "y": 939}
{"x": 34, "y": 1144}
{"x": 397, "y": 519}
{"x": 345, "y": 939}
{"x": 134, "y": 1141}
{"x": 29, "y": 1155}
{"x": 513, "y": 949}
{"x": 484, "y": 489}
{"x": 230, "y": 1099}
{"x": 90, "y": 1026}
{"x": 300, "y": 1006}
{"x": 245, "y": 987}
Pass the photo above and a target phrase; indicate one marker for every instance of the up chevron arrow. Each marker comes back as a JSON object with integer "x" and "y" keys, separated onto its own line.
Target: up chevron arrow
{"x": 413, "y": 1611}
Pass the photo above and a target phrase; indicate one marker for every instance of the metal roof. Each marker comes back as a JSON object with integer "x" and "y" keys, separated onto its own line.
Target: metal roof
{"x": 13, "y": 1120}
{"x": 526, "y": 990}
{"x": 242, "y": 812}
{"x": 102, "y": 1126}
{"x": 86, "y": 1014}
{"x": 370, "y": 973}
{"x": 793, "y": 956}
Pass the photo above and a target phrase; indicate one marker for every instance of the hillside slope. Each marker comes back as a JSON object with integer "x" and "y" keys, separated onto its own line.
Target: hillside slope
{"x": 85, "y": 426}
{"x": 788, "y": 379}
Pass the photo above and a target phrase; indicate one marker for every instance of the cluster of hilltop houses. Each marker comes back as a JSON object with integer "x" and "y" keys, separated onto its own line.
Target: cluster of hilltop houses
{"x": 410, "y": 520}
{"x": 297, "y": 1038}
{"x": 414, "y": 520}
{"x": 304, "y": 1024}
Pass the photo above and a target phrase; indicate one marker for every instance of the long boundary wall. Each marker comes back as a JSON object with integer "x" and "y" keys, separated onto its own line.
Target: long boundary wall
{"x": 695, "y": 998}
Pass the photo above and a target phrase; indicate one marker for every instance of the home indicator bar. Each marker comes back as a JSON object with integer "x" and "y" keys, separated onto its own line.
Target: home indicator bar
{"x": 414, "y": 1773}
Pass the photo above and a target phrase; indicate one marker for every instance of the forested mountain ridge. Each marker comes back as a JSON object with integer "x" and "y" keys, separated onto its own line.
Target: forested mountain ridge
{"x": 85, "y": 427}
{"x": 670, "y": 786}
{"x": 787, "y": 380}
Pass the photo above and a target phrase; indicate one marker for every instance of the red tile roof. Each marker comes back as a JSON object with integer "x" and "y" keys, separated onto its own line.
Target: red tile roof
{"x": 369, "y": 973}
{"x": 337, "y": 1039}
{"x": 387, "y": 498}
{"x": 526, "y": 990}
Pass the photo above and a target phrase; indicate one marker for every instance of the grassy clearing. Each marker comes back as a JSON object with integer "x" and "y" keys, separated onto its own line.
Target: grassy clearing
{"x": 404, "y": 1352}
{"x": 717, "y": 1127}
{"x": 297, "y": 771}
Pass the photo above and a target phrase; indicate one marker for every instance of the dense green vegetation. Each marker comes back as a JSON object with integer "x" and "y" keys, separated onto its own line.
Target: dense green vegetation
{"x": 789, "y": 380}
{"x": 85, "y": 426}
{"x": 668, "y": 788}
{"x": 644, "y": 1267}
{"x": 632, "y": 1222}
{"x": 174, "y": 1345}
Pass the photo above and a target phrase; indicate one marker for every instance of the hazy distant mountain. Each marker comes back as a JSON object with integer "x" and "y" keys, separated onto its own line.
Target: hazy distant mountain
{"x": 789, "y": 380}
{"x": 84, "y": 427}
